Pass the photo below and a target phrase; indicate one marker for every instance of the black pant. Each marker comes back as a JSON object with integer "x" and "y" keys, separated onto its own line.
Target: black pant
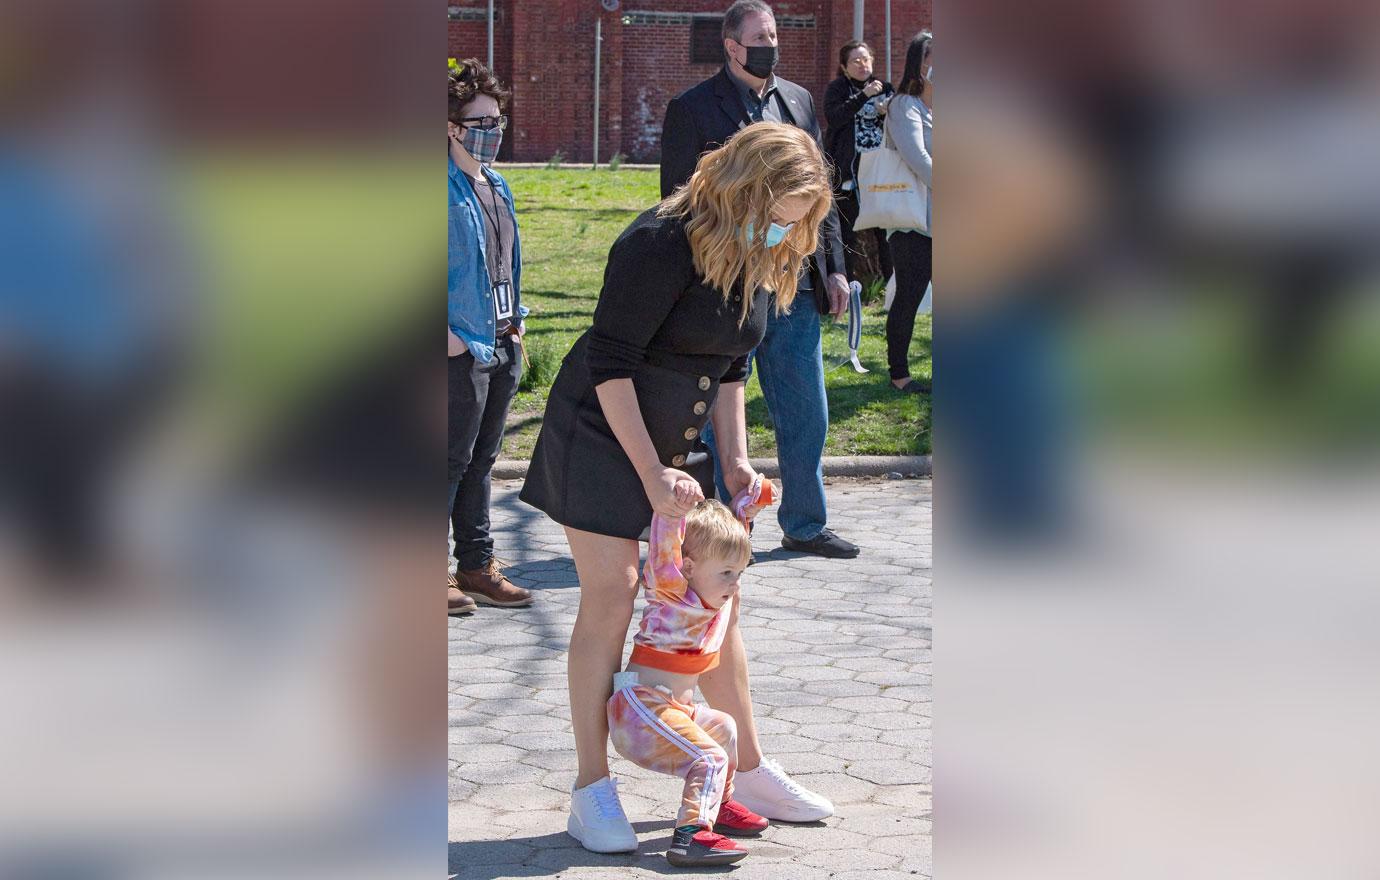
{"x": 63, "y": 444}
{"x": 847, "y": 204}
{"x": 914, "y": 254}
{"x": 479, "y": 399}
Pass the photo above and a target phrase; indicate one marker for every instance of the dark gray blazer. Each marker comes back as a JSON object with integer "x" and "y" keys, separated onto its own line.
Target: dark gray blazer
{"x": 703, "y": 117}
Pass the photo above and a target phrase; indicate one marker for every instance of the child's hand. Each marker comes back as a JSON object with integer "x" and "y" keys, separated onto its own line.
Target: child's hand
{"x": 664, "y": 493}
{"x": 688, "y": 492}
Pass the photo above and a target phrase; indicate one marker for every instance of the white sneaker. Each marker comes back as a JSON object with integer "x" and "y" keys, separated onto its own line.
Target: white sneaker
{"x": 597, "y": 819}
{"x": 769, "y": 792}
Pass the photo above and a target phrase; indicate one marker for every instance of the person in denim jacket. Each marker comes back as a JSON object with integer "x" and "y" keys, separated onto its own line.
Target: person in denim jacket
{"x": 484, "y": 337}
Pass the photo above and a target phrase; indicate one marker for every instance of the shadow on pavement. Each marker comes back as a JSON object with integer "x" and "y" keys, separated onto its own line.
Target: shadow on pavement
{"x": 778, "y": 553}
{"x": 548, "y": 854}
{"x": 545, "y": 574}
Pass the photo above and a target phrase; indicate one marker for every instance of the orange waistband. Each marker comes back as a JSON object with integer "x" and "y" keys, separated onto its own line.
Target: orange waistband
{"x": 684, "y": 664}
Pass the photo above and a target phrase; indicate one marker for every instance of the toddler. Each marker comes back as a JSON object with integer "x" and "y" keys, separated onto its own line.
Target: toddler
{"x": 692, "y": 571}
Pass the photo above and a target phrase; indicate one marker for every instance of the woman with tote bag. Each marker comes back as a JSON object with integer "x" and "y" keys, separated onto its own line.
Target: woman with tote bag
{"x": 895, "y": 185}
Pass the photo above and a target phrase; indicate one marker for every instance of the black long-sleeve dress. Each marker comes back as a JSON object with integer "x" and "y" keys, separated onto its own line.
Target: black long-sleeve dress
{"x": 659, "y": 324}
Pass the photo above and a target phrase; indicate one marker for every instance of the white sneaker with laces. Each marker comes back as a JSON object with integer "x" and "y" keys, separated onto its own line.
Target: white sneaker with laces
{"x": 769, "y": 792}
{"x": 597, "y": 819}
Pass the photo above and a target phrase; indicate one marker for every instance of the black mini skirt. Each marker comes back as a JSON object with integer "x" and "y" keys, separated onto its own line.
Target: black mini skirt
{"x": 581, "y": 477}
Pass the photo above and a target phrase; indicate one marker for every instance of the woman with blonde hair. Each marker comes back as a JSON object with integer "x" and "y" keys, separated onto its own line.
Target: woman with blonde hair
{"x": 685, "y": 299}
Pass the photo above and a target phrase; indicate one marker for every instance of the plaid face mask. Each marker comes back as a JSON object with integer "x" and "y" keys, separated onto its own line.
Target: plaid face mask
{"x": 483, "y": 145}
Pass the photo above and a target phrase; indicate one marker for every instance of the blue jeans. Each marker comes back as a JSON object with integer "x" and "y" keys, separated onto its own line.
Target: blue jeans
{"x": 790, "y": 367}
{"x": 1008, "y": 462}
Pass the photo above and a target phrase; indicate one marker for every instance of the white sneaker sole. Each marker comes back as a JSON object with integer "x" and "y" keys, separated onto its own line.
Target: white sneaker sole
{"x": 575, "y": 830}
{"x": 775, "y": 813}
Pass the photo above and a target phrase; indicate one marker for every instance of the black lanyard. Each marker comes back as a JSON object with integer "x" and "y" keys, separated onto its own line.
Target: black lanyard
{"x": 498, "y": 232}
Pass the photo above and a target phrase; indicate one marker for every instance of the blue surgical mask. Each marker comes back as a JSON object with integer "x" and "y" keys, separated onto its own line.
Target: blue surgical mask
{"x": 776, "y": 233}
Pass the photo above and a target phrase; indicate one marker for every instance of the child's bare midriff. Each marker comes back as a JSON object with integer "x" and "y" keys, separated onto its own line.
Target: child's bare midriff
{"x": 681, "y": 684}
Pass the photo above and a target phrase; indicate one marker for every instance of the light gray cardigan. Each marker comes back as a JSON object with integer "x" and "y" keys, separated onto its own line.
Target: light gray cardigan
{"x": 909, "y": 128}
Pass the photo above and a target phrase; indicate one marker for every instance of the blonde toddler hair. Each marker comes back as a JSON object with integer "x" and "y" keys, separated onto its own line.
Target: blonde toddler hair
{"x": 713, "y": 532}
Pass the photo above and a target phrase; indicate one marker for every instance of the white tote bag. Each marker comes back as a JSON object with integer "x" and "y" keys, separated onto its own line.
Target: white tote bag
{"x": 890, "y": 196}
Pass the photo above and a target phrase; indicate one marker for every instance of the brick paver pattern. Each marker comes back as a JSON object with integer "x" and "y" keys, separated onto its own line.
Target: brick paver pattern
{"x": 840, "y": 663}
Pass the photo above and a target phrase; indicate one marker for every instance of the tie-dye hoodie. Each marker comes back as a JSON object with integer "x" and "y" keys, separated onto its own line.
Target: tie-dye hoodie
{"x": 679, "y": 633}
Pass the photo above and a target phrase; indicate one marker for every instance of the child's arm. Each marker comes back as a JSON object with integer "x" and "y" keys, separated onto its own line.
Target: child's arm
{"x": 663, "y": 569}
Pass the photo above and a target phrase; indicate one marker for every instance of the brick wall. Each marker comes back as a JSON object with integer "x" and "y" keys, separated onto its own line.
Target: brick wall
{"x": 467, "y": 33}
{"x": 544, "y": 51}
{"x": 907, "y": 17}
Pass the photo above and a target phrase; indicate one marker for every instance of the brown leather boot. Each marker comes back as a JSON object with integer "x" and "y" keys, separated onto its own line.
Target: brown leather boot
{"x": 488, "y": 586}
{"x": 456, "y": 601}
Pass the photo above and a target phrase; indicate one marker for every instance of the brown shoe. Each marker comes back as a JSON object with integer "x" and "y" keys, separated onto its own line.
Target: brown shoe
{"x": 456, "y": 601}
{"x": 488, "y": 586}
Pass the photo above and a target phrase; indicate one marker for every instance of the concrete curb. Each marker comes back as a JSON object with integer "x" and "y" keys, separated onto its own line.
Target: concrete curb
{"x": 834, "y": 466}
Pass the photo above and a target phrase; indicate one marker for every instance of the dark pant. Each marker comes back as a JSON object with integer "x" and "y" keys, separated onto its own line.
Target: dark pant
{"x": 64, "y": 440}
{"x": 479, "y": 399}
{"x": 913, "y": 253}
{"x": 55, "y": 461}
{"x": 847, "y": 203}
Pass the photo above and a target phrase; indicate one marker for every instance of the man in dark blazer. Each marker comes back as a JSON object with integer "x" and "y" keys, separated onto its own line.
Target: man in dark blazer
{"x": 790, "y": 360}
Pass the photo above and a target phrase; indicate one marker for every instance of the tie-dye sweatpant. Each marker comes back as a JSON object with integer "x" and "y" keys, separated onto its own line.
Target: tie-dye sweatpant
{"x": 696, "y": 743}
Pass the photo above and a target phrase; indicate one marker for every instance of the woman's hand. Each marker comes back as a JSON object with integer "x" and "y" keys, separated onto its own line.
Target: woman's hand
{"x": 769, "y": 492}
{"x": 453, "y": 344}
{"x": 873, "y": 88}
{"x": 839, "y": 293}
{"x": 671, "y": 492}
{"x": 738, "y": 478}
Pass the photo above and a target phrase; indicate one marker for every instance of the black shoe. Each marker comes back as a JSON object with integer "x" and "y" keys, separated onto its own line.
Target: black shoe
{"x": 695, "y": 847}
{"x": 826, "y": 544}
{"x": 916, "y": 386}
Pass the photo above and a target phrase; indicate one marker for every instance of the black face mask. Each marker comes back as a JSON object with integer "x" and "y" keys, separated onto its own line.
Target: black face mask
{"x": 761, "y": 60}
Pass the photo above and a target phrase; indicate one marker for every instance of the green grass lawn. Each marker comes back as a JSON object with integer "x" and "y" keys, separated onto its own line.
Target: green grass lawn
{"x": 305, "y": 261}
{"x": 569, "y": 218}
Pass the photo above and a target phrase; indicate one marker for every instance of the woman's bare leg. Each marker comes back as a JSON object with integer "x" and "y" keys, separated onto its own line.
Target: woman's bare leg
{"x": 607, "y": 568}
{"x": 726, "y": 689}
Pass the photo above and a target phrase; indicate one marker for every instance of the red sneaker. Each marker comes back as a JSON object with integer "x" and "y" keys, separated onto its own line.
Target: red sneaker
{"x": 696, "y": 847}
{"x": 736, "y": 820}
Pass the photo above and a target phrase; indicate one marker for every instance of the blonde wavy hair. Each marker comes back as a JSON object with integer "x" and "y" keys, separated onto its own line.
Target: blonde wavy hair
{"x": 740, "y": 184}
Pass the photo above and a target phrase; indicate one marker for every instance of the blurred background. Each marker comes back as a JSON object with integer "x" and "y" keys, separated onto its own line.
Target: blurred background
{"x": 221, "y": 404}
{"x": 1156, "y": 436}
{"x": 1155, "y": 448}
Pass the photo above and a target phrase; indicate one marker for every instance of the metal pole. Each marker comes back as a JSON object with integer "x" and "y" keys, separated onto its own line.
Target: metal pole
{"x": 491, "y": 34}
{"x": 888, "y": 41}
{"x": 858, "y": 19}
{"x": 598, "y": 39}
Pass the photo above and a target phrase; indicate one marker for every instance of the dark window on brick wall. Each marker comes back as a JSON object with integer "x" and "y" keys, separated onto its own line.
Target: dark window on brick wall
{"x": 470, "y": 13}
{"x": 706, "y": 40}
